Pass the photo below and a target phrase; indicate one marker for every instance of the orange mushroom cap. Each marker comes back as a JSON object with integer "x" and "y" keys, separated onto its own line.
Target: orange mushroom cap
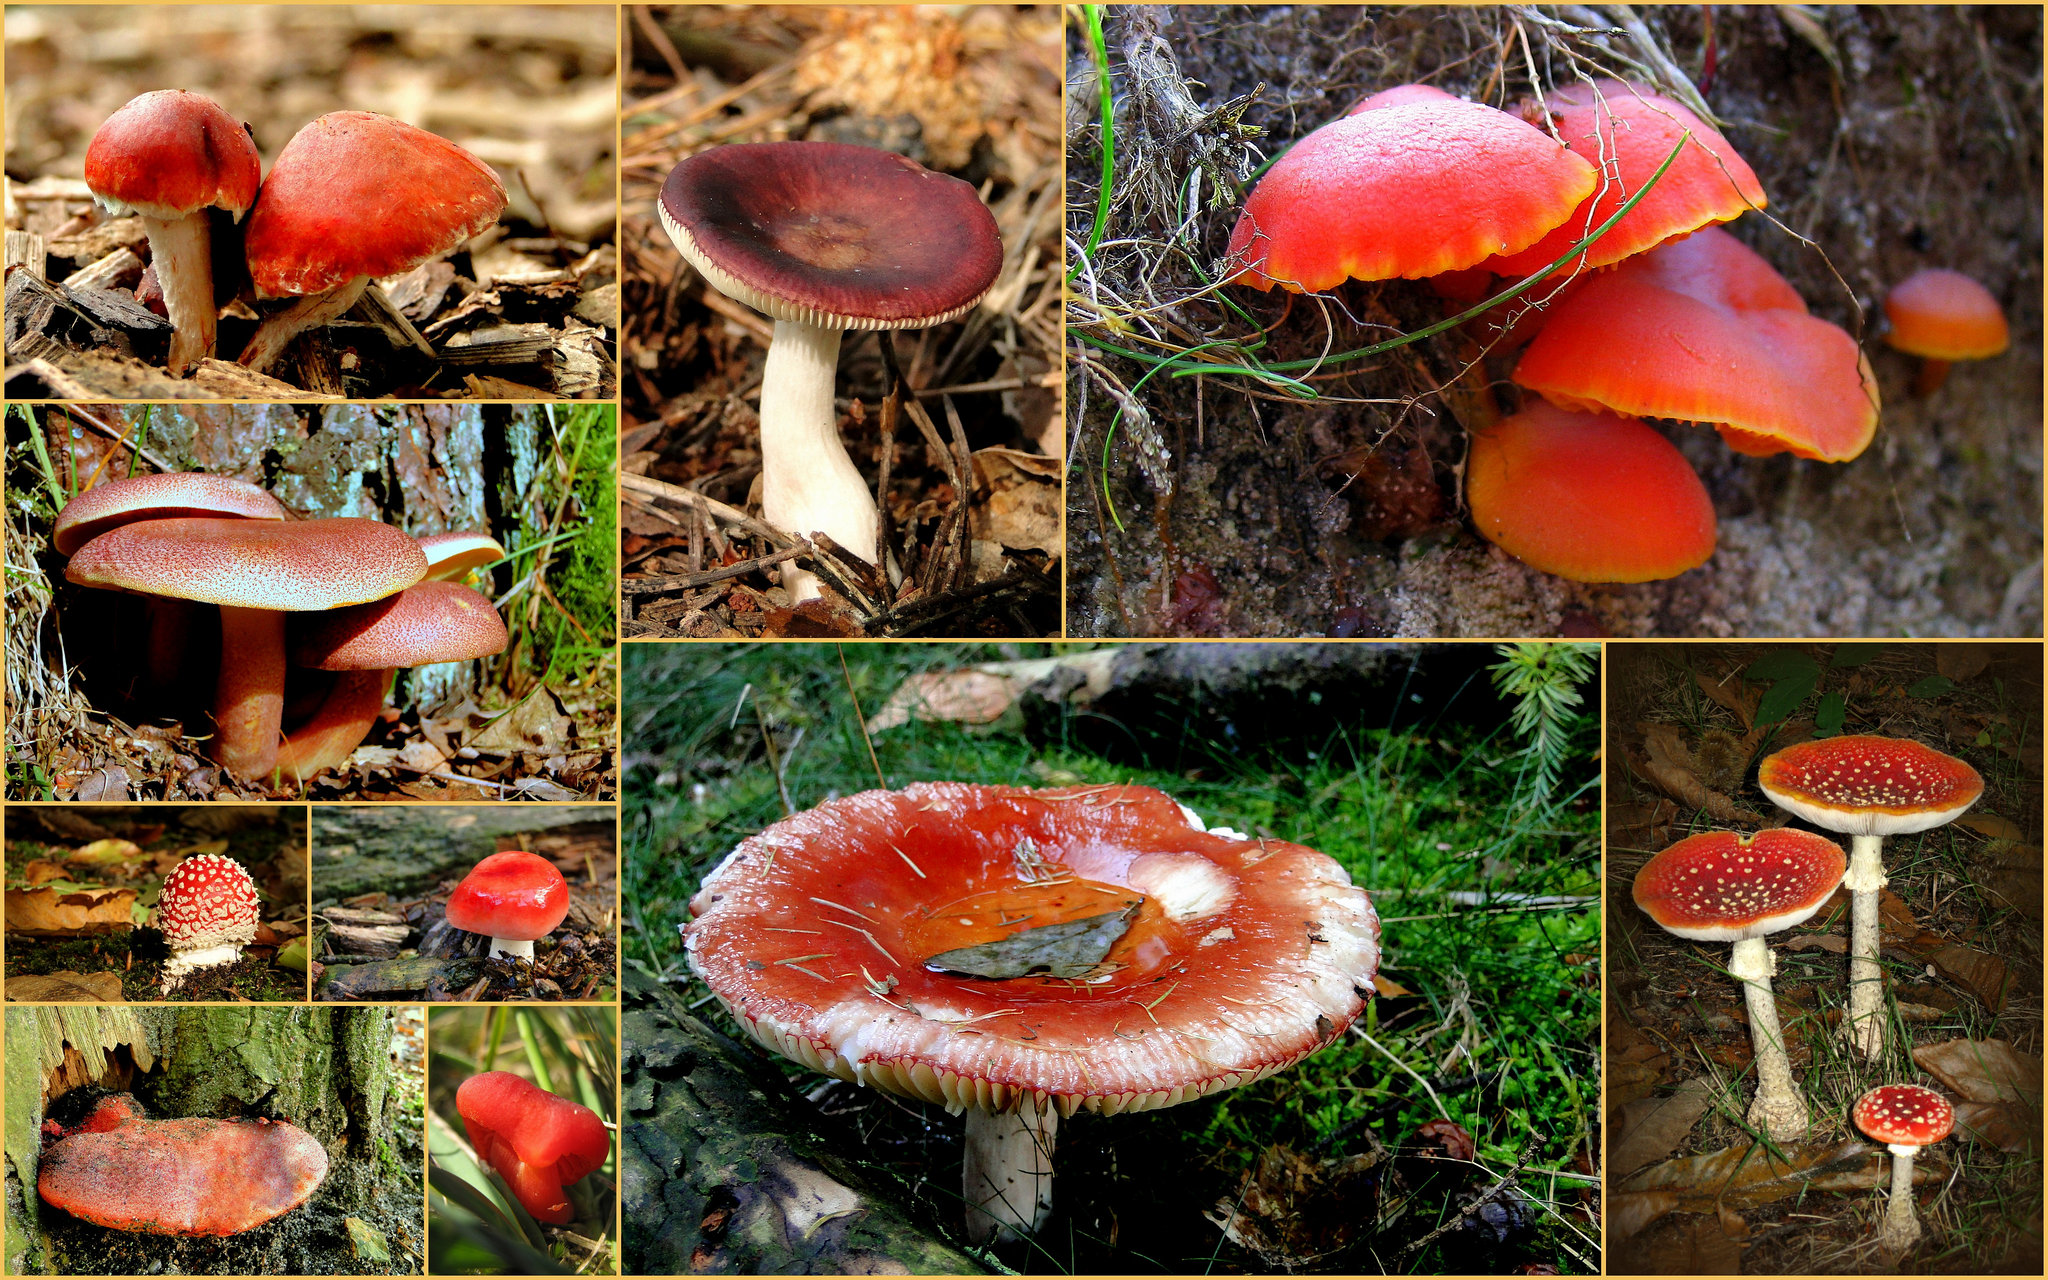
{"x": 1945, "y": 315}
{"x": 1705, "y": 330}
{"x": 1628, "y": 130}
{"x": 1428, "y": 184}
{"x": 1588, "y": 496}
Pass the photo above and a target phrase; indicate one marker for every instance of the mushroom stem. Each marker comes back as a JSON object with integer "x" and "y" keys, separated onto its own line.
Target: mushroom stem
{"x": 337, "y": 726}
{"x": 808, "y": 483}
{"x": 1933, "y": 373}
{"x": 1900, "y": 1228}
{"x": 248, "y": 697}
{"x": 514, "y": 948}
{"x": 184, "y": 962}
{"x": 1863, "y": 1028}
{"x": 183, "y": 251}
{"x": 169, "y": 620}
{"x": 1007, "y": 1173}
{"x": 1778, "y": 1109}
{"x": 280, "y": 327}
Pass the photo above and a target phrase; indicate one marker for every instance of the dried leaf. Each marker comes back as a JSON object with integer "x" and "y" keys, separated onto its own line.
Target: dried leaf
{"x": 1985, "y": 975}
{"x": 1961, "y": 662}
{"x": 1630, "y": 1211}
{"x": 1451, "y": 1136}
{"x": 1992, "y": 826}
{"x": 1983, "y": 1070}
{"x": 1651, "y": 1129}
{"x": 51, "y": 911}
{"x": 1066, "y": 950}
{"x": 965, "y": 697}
{"x": 1023, "y": 508}
{"x": 111, "y": 851}
{"x": 66, "y": 987}
{"x": 1670, "y": 768}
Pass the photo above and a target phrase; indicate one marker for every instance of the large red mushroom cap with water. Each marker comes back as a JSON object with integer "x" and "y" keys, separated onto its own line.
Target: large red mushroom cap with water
{"x": 1863, "y": 784}
{"x": 1232, "y": 957}
{"x": 538, "y": 1142}
{"x": 191, "y": 1177}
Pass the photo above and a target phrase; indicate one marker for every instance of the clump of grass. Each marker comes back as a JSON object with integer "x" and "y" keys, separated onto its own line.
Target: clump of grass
{"x": 1488, "y": 897}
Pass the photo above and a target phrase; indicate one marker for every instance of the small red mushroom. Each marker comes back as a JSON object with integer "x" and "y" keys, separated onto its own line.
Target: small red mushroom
{"x": 192, "y": 1177}
{"x": 208, "y": 913}
{"x": 514, "y": 897}
{"x": 1905, "y": 1117}
{"x": 1942, "y": 317}
{"x": 537, "y": 1142}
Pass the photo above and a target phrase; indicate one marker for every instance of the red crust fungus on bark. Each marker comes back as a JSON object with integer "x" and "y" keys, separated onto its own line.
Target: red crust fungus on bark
{"x": 537, "y": 1142}
{"x": 191, "y": 1177}
{"x": 1245, "y": 956}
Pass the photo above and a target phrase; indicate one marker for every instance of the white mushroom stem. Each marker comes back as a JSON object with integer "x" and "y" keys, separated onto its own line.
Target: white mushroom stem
{"x": 184, "y": 962}
{"x": 248, "y": 696}
{"x": 808, "y": 483}
{"x": 183, "y": 252}
{"x": 280, "y": 327}
{"x": 1778, "y": 1109}
{"x": 1863, "y": 1028}
{"x": 1900, "y": 1227}
{"x": 514, "y": 948}
{"x": 1007, "y": 1173}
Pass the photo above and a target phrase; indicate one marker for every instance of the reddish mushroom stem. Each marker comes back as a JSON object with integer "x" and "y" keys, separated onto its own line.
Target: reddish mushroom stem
{"x": 1933, "y": 373}
{"x": 280, "y": 327}
{"x": 338, "y": 726}
{"x": 1007, "y": 1171}
{"x": 248, "y": 699}
{"x": 1778, "y": 1109}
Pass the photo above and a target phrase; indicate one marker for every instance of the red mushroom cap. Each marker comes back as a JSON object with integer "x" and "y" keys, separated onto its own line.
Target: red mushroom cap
{"x": 1244, "y": 956}
{"x": 208, "y": 900}
{"x": 538, "y": 1142}
{"x": 253, "y": 564}
{"x": 1904, "y": 1115}
{"x": 510, "y": 895}
{"x": 1719, "y": 886}
{"x": 833, "y": 235}
{"x": 1590, "y": 497}
{"x": 427, "y": 622}
{"x": 358, "y": 194}
{"x": 1945, "y": 315}
{"x": 169, "y": 153}
{"x": 181, "y": 1177}
{"x": 158, "y": 497}
{"x": 1426, "y": 185}
{"x": 1705, "y": 331}
{"x": 1862, "y": 784}
{"x": 1627, "y": 130}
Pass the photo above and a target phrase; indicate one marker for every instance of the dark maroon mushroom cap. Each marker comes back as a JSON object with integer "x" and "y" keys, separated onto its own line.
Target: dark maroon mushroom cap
{"x": 833, "y": 235}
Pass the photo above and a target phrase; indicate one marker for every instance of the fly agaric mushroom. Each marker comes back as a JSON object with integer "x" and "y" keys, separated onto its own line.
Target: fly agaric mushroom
{"x": 355, "y": 195}
{"x": 512, "y": 897}
{"x": 825, "y": 237}
{"x": 1021, "y": 955}
{"x": 256, "y": 571}
{"x": 1718, "y": 886}
{"x": 169, "y": 156}
{"x": 1411, "y": 184}
{"x": 1868, "y": 787}
{"x": 430, "y": 621}
{"x": 1590, "y": 497}
{"x": 192, "y": 1177}
{"x": 1905, "y": 1117}
{"x": 1705, "y": 331}
{"x": 1628, "y": 130}
{"x": 208, "y": 912}
{"x": 537, "y": 1142}
{"x": 1943, "y": 316}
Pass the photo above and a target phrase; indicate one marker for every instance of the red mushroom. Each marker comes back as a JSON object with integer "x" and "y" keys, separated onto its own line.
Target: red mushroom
{"x": 1868, "y": 787}
{"x": 513, "y": 897}
{"x": 208, "y": 913}
{"x": 1942, "y": 317}
{"x": 825, "y": 237}
{"x": 1722, "y": 887}
{"x": 537, "y": 1142}
{"x": 169, "y": 156}
{"x": 353, "y": 196}
{"x": 192, "y": 1177}
{"x": 1905, "y": 1117}
{"x": 930, "y": 943}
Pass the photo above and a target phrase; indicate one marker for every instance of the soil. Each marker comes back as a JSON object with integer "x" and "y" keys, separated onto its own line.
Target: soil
{"x": 1893, "y": 138}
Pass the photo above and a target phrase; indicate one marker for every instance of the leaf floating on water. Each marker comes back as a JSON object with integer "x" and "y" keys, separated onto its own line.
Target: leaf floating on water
{"x": 1066, "y": 950}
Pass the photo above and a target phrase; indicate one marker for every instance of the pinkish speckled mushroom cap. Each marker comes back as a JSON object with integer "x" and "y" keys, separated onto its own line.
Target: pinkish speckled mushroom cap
{"x": 253, "y": 564}
{"x": 171, "y": 495}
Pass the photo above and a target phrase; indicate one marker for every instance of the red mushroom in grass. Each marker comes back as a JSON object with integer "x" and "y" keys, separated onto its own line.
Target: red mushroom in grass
{"x": 1705, "y": 330}
{"x": 208, "y": 912}
{"x": 1021, "y": 955}
{"x": 1867, "y": 788}
{"x": 191, "y": 1177}
{"x": 824, "y": 237}
{"x": 513, "y": 898}
{"x": 1905, "y": 1117}
{"x": 1414, "y": 183}
{"x": 355, "y": 196}
{"x": 1942, "y": 317}
{"x": 428, "y": 622}
{"x": 1590, "y": 497}
{"x": 1722, "y": 887}
{"x": 169, "y": 156}
{"x": 256, "y": 571}
{"x": 537, "y": 1142}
